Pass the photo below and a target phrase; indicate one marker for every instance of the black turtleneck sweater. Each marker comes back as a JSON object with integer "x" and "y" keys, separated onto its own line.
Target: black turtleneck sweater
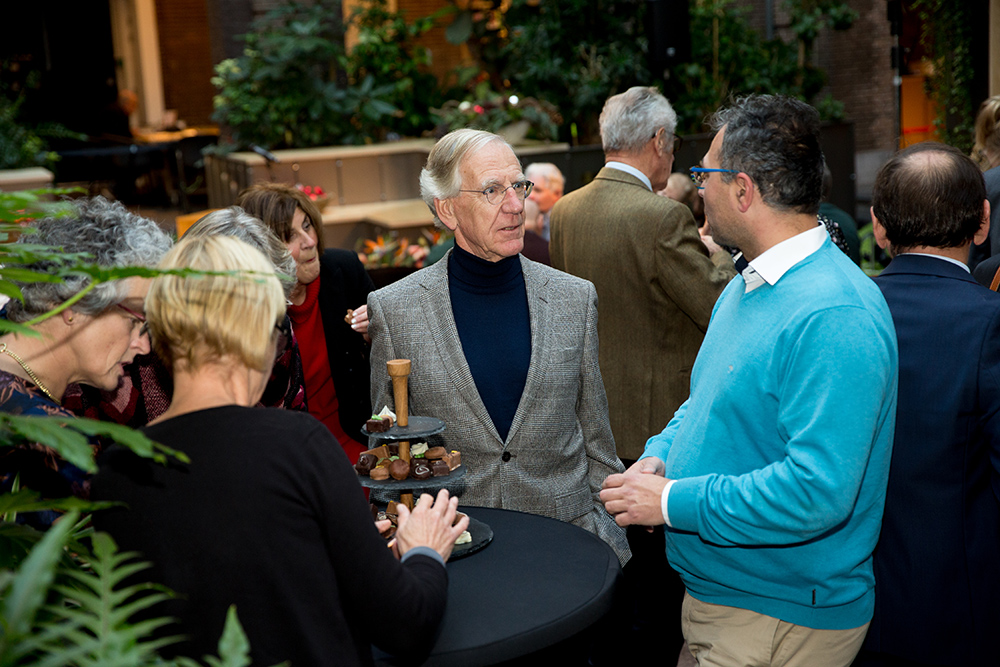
{"x": 490, "y": 305}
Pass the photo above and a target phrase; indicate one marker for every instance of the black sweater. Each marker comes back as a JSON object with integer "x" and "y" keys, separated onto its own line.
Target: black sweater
{"x": 269, "y": 515}
{"x": 490, "y": 305}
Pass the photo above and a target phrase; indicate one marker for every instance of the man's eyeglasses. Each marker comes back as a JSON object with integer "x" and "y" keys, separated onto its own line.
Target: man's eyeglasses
{"x": 700, "y": 174}
{"x": 495, "y": 193}
{"x": 136, "y": 319}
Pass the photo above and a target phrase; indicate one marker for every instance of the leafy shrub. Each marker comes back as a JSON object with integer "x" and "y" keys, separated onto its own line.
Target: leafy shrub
{"x": 296, "y": 86}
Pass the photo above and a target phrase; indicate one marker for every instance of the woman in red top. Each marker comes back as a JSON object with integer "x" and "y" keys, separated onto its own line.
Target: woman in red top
{"x": 330, "y": 282}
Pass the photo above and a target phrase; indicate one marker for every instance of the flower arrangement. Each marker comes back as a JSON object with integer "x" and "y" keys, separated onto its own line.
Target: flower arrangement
{"x": 503, "y": 113}
{"x": 390, "y": 250}
{"x": 315, "y": 193}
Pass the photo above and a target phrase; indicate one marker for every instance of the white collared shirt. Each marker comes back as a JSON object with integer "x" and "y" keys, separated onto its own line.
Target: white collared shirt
{"x": 629, "y": 169}
{"x": 947, "y": 259}
{"x": 777, "y": 260}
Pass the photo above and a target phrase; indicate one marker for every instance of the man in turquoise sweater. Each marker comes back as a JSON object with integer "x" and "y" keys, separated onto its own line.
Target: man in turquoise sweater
{"x": 771, "y": 477}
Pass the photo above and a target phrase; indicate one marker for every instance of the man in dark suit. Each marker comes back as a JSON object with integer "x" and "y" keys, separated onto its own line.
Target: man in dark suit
{"x": 937, "y": 563}
{"x": 656, "y": 283}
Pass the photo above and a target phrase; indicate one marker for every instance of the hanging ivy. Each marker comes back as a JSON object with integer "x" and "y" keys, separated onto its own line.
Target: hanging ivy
{"x": 946, "y": 34}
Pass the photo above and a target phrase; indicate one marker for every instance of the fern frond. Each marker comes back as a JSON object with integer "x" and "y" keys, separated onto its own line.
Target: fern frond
{"x": 26, "y": 592}
{"x": 94, "y": 617}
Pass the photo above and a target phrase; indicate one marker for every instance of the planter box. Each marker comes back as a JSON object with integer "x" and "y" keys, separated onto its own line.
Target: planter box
{"x": 31, "y": 178}
{"x": 372, "y": 189}
{"x": 376, "y": 189}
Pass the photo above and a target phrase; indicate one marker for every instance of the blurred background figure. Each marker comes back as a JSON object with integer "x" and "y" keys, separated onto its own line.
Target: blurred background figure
{"x": 986, "y": 153}
{"x": 328, "y": 312}
{"x": 681, "y": 188}
{"x": 838, "y": 217}
{"x": 89, "y": 343}
{"x": 535, "y": 247}
{"x": 549, "y": 183}
{"x": 986, "y": 149}
{"x": 281, "y": 532}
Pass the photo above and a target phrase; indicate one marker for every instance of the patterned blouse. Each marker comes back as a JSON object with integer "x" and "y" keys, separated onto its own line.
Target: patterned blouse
{"x": 40, "y": 468}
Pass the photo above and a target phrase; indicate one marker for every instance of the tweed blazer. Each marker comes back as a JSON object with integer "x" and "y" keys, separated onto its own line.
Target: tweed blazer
{"x": 657, "y": 286}
{"x": 559, "y": 449}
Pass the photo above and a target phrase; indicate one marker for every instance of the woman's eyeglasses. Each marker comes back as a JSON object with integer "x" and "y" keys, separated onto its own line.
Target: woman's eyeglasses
{"x": 136, "y": 319}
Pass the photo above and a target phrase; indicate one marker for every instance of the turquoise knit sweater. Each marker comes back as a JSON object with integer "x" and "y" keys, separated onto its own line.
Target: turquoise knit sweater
{"x": 782, "y": 450}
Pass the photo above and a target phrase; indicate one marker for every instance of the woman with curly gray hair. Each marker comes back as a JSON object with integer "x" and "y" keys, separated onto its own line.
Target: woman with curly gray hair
{"x": 89, "y": 342}
{"x": 145, "y": 392}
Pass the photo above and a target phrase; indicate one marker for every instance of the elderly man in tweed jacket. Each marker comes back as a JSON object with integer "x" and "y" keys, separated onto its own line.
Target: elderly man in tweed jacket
{"x": 653, "y": 274}
{"x": 503, "y": 349}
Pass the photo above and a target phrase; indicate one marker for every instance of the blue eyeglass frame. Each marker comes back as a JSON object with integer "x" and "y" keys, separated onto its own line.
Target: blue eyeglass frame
{"x": 698, "y": 180}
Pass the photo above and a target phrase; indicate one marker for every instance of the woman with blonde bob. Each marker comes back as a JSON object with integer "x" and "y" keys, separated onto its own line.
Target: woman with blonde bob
{"x": 267, "y": 516}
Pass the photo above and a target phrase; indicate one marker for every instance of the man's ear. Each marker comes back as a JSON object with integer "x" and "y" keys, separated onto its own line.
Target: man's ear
{"x": 984, "y": 228}
{"x": 745, "y": 191}
{"x": 445, "y": 209}
{"x": 881, "y": 238}
{"x": 660, "y": 141}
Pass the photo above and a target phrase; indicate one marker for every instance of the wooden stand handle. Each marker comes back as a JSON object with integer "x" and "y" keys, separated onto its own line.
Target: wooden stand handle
{"x": 406, "y": 499}
{"x": 399, "y": 371}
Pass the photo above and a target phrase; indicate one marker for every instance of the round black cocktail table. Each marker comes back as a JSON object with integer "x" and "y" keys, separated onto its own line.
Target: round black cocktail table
{"x": 539, "y": 581}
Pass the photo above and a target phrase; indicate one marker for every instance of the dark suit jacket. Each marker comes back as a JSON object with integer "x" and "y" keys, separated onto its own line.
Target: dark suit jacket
{"x": 937, "y": 563}
{"x": 344, "y": 284}
{"x": 656, "y": 285}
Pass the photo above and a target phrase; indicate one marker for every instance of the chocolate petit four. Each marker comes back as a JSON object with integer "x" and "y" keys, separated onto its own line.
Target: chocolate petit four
{"x": 453, "y": 459}
{"x": 399, "y": 469}
{"x": 421, "y": 471}
{"x": 378, "y": 424}
{"x": 439, "y": 468}
{"x": 380, "y": 473}
{"x": 435, "y": 453}
{"x": 365, "y": 463}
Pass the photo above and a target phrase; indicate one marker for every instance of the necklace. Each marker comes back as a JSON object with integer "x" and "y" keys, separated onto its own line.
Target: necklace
{"x": 31, "y": 373}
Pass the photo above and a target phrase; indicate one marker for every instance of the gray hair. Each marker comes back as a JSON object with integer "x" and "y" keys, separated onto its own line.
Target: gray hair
{"x": 554, "y": 179}
{"x": 774, "y": 139}
{"x": 440, "y": 177}
{"x": 112, "y": 236}
{"x": 237, "y": 223}
{"x": 630, "y": 119}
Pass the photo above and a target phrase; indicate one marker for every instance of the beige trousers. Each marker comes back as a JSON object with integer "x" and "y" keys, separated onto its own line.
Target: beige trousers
{"x": 720, "y": 636}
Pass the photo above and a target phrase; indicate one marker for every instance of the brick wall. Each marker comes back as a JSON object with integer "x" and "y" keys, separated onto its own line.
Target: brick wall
{"x": 186, "y": 59}
{"x": 861, "y": 76}
{"x": 445, "y": 56}
{"x": 857, "y": 65}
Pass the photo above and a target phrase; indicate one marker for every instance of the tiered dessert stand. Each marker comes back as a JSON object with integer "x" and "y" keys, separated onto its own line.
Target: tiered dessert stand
{"x": 408, "y": 429}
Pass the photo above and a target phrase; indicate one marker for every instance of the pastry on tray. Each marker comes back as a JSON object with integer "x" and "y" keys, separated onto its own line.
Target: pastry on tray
{"x": 383, "y": 462}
